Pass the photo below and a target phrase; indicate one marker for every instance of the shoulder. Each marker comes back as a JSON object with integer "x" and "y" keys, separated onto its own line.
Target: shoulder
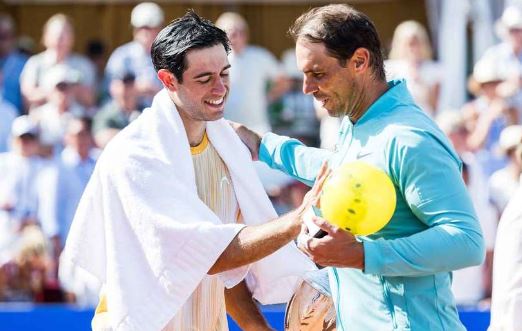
{"x": 259, "y": 52}
{"x": 124, "y": 50}
{"x": 34, "y": 61}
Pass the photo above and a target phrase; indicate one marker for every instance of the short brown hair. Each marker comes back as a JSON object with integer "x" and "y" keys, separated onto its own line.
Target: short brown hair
{"x": 342, "y": 30}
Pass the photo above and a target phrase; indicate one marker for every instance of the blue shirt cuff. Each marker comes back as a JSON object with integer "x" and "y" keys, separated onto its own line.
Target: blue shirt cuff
{"x": 373, "y": 259}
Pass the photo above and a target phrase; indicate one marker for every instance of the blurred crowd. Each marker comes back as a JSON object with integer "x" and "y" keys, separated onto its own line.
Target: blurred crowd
{"x": 58, "y": 110}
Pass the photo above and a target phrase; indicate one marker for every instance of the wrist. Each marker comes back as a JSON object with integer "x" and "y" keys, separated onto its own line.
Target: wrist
{"x": 360, "y": 254}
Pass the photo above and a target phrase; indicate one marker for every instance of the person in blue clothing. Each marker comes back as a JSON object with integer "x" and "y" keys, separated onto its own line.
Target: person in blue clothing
{"x": 11, "y": 64}
{"x": 400, "y": 277}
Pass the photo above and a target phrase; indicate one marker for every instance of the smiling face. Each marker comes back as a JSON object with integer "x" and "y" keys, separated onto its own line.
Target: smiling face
{"x": 336, "y": 87}
{"x": 202, "y": 93}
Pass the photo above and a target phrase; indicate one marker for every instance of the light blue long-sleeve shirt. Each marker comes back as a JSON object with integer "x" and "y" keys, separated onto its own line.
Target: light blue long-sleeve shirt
{"x": 406, "y": 282}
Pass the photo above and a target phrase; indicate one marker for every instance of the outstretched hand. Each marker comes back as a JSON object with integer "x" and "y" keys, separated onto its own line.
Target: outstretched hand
{"x": 250, "y": 138}
{"x": 313, "y": 197}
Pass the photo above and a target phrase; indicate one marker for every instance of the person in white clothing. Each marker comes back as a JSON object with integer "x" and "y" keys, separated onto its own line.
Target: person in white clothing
{"x": 174, "y": 217}
{"x": 507, "y": 267}
{"x": 54, "y": 116}
{"x": 58, "y": 39}
{"x": 411, "y": 58}
{"x": 507, "y": 55}
{"x": 253, "y": 69}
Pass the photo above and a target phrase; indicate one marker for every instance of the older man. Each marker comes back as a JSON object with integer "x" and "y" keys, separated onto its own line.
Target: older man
{"x": 400, "y": 277}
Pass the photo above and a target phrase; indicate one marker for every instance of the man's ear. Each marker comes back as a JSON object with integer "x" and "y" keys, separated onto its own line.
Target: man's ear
{"x": 360, "y": 60}
{"x": 168, "y": 79}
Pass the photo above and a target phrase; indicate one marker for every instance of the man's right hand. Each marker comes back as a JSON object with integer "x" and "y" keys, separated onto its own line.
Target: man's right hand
{"x": 250, "y": 138}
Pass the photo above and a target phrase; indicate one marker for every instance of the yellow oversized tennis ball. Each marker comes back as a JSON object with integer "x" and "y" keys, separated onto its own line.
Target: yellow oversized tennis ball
{"x": 359, "y": 198}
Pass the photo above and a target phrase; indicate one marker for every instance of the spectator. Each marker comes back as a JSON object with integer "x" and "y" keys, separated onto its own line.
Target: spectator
{"x": 507, "y": 54}
{"x": 297, "y": 116}
{"x": 11, "y": 64}
{"x": 506, "y": 302}
{"x": 504, "y": 182}
{"x": 61, "y": 107}
{"x": 26, "y": 276}
{"x": 411, "y": 58}
{"x": 67, "y": 180}
{"x": 58, "y": 39}
{"x": 20, "y": 180}
{"x": 252, "y": 70}
{"x": 488, "y": 114}
{"x": 123, "y": 108}
{"x": 95, "y": 52}
{"x": 147, "y": 21}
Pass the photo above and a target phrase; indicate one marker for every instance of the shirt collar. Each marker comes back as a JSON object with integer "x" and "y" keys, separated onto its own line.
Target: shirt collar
{"x": 397, "y": 94}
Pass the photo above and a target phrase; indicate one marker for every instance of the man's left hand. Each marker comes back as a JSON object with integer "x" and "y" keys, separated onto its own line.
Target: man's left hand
{"x": 338, "y": 248}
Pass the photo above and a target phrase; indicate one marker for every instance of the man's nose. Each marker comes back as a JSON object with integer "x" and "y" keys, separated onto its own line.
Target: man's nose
{"x": 309, "y": 86}
{"x": 219, "y": 86}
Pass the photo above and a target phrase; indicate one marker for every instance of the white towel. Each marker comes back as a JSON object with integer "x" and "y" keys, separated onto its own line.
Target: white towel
{"x": 142, "y": 230}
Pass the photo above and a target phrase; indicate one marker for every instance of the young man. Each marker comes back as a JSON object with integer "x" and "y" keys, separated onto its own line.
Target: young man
{"x": 162, "y": 222}
{"x": 400, "y": 277}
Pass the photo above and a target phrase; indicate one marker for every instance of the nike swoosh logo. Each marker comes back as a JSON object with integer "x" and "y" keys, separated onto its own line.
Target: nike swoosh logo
{"x": 363, "y": 154}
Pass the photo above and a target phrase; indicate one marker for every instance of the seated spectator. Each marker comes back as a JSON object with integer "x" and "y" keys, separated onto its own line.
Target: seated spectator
{"x": 411, "y": 59}
{"x": 507, "y": 55}
{"x": 488, "y": 114}
{"x": 504, "y": 182}
{"x": 147, "y": 21}
{"x": 53, "y": 117}
{"x": 11, "y": 64}
{"x": 123, "y": 108}
{"x": 20, "y": 182}
{"x": 66, "y": 181}
{"x": 58, "y": 39}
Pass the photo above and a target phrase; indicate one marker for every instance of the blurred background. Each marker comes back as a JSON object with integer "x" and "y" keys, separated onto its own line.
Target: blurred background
{"x": 74, "y": 73}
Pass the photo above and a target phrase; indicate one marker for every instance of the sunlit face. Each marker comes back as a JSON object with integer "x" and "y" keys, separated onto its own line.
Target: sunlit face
{"x": 238, "y": 37}
{"x": 334, "y": 86}
{"x": 414, "y": 48}
{"x": 146, "y": 35}
{"x": 202, "y": 94}
{"x": 59, "y": 36}
{"x": 79, "y": 137}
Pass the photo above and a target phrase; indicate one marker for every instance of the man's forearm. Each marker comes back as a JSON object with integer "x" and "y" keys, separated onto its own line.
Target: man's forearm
{"x": 242, "y": 308}
{"x": 253, "y": 243}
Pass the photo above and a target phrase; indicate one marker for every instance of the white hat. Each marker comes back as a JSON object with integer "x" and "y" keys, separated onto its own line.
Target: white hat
{"x": 147, "y": 14}
{"x": 60, "y": 73}
{"x": 510, "y": 137}
{"x": 511, "y": 19}
{"x": 486, "y": 70}
{"x": 23, "y": 125}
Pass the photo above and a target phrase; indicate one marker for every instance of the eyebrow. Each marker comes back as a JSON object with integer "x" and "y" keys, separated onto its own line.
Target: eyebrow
{"x": 208, "y": 73}
{"x": 314, "y": 69}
